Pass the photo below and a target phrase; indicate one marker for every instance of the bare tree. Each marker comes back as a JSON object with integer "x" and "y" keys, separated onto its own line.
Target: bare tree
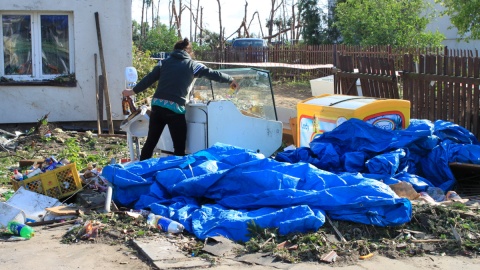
{"x": 191, "y": 15}
{"x": 281, "y": 32}
{"x": 243, "y": 25}
{"x": 284, "y": 23}
{"x": 177, "y": 17}
{"x": 271, "y": 18}
{"x": 153, "y": 15}
{"x": 142, "y": 27}
{"x": 298, "y": 28}
{"x": 259, "y": 22}
{"x": 201, "y": 24}
{"x": 221, "y": 34}
{"x": 292, "y": 26}
{"x": 244, "y": 22}
{"x": 157, "y": 19}
{"x": 148, "y": 4}
{"x": 196, "y": 25}
{"x": 194, "y": 18}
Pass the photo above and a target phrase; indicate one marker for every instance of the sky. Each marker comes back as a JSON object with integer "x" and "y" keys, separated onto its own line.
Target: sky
{"x": 232, "y": 14}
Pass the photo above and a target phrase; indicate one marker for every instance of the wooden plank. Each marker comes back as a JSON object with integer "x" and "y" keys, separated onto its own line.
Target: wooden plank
{"x": 104, "y": 73}
{"x": 467, "y": 88}
{"x": 375, "y": 84}
{"x": 419, "y": 93}
{"x": 405, "y": 79}
{"x": 97, "y": 99}
{"x": 456, "y": 91}
{"x": 441, "y": 96}
{"x": 476, "y": 97}
{"x": 396, "y": 93}
{"x": 362, "y": 68}
{"x": 450, "y": 90}
{"x": 385, "y": 70}
{"x": 431, "y": 90}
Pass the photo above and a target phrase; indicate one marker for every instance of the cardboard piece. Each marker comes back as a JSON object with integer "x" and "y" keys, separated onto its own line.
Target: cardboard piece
{"x": 63, "y": 210}
{"x": 32, "y": 204}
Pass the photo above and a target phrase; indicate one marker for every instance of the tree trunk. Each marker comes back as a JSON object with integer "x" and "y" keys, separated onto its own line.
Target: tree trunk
{"x": 196, "y": 24}
{"x": 259, "y": 22}
{"x": 271, "y": 18}
{"x": 194, "y": 19}
{"x": 142, "y": 28}
{"x": 177, "y": 18}
{"x": 153, "y": 15}
{"x": 221, "y": 28}
{"x": 244, "y": 22}
{"x": 201, "y": 26}
{"x": 157, "y": 20}
{"x": 191, "y": 38}
{"x": 292, "y": 26}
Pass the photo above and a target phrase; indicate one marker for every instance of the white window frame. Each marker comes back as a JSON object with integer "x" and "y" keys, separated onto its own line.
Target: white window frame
{"x": 37, "y": 46}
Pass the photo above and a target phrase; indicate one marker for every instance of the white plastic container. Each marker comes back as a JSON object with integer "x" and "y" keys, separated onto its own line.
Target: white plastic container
{"x": 10, "y": 213}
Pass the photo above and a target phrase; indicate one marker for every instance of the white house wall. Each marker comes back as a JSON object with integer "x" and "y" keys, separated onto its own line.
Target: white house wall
{"x": 443, "y": 25}
{"x": 27, "y": 104}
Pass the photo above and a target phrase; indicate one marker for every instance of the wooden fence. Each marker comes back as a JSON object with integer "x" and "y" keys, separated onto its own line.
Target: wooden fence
{"x": 295, "y": 54}
{"x": 438, "y": 86}
{"x": 440, "y": 83}
{"x": 443, "y": 87}
{"x": 377, "y": 77}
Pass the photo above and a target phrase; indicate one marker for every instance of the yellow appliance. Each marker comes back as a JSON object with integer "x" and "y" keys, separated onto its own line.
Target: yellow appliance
{"x": 323, "y": 113}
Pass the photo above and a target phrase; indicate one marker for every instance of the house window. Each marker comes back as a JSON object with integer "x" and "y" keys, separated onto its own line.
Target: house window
{"x": 36, "y": 45}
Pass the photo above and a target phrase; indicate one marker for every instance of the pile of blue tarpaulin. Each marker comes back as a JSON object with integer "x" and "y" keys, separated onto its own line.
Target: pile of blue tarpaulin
{"x": 344, "y": 174}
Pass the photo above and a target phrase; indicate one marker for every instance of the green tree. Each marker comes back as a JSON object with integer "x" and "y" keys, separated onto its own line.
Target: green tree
{"x": 159, "y": 39}
{"x": 210, "y": 40}
{"x": 310, "y": 15}
{"x": 144, "y": 64}
{"x": 464, "y": 15}
{"x": 399, "y": 23}
{"x": 318, "y": 26}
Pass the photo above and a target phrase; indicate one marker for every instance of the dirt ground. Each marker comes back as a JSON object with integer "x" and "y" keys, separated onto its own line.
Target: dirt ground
{"x": 288, "y": 95}
{"x": 46, "y": 251}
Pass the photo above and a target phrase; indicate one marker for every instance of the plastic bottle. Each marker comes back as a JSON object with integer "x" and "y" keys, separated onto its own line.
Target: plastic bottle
{"x": 131, "y": 105}
{"x": 436, "y": 193}
{"x": 164, "y": 224}
{"x": 20, "y": 229}
{"x": 126, "y": 105}
{"x": 452, "y": 196}
{"x": 17, "y": 175}
{"x": 34, "y": 172}
{"x": 51, "y": 164}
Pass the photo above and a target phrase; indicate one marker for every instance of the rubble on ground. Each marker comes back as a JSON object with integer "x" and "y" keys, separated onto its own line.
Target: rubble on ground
{"x": 448, "y": 228}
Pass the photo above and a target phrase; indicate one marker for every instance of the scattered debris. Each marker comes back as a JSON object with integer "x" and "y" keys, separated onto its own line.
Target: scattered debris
{"x": 330, "y": 257}
{"x": 449, "y": 227}
{"x": 368, "y": 256}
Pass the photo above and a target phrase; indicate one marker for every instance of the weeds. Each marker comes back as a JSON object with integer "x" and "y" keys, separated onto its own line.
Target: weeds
{"x": 428, "y": 222}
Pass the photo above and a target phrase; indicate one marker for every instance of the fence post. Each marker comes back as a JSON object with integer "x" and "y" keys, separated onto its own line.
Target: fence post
{"x": 335, "y": 77}
{"x": 334, "y": 55}
{"x": 445, "y": 60}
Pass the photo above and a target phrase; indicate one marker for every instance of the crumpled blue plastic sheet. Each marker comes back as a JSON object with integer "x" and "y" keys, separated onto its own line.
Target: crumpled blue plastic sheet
{"x": 423, "y": 150}
{"x": 219, "y": 190}
{"x": 344, "y": 174}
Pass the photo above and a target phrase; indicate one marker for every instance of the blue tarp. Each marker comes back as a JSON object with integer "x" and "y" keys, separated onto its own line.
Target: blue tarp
{"x": 344, "y": 174}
